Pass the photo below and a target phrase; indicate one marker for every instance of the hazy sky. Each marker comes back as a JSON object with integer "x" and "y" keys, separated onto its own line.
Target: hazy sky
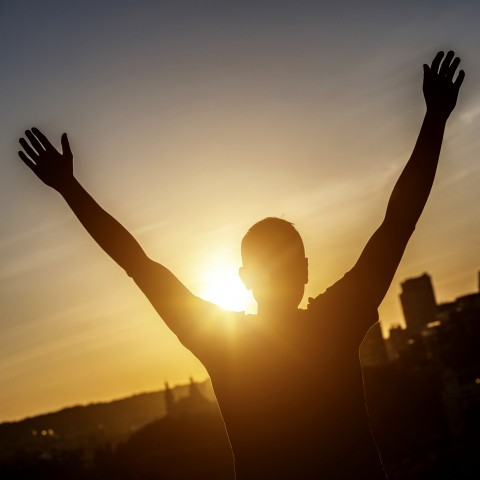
{"x": 191, "y": 120}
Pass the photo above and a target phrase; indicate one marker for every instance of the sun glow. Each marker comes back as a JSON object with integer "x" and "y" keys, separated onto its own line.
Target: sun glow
{"x": 222, "y": 286}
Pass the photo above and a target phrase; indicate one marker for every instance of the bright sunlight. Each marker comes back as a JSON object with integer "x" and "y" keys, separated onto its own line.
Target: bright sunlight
{"x": 222, "y": 286}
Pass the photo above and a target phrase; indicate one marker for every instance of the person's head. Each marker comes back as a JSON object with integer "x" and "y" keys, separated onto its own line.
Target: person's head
{"x": 274, "y": 264}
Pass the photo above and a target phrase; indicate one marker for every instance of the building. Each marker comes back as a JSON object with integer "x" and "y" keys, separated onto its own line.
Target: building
{"x": 194, "y": 403}
{"x": 373, "y": 352}
{"x": 396, "y": 342}
{"x": 418, "y": 303}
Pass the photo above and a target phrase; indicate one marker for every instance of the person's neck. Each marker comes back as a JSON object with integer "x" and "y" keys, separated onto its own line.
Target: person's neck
{"x": 276, "y": 311}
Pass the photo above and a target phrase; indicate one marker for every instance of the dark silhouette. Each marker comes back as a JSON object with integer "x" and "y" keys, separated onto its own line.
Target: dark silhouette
{"x": 288, "y": 381}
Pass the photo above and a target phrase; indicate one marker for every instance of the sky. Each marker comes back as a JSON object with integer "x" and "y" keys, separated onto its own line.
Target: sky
{"x": 189, "y": 121}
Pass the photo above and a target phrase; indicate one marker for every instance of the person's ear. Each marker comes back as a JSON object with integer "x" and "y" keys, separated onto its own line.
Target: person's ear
{"x": 305, "y": 272}
{"x": 244, "y": 275}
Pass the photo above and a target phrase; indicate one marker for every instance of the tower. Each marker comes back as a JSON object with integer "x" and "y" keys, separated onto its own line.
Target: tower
{"x": 418, "y": 303}
{"x": 169, "y": 400}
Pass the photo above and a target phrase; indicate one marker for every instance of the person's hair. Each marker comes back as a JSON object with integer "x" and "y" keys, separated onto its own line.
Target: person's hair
{"x": 268, "y": 235}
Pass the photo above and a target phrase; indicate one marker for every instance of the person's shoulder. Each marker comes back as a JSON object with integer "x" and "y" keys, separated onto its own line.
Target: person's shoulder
{"x": 222, "y": 317}
{"x": 209, "y": 323}
{"x": 348, "y": 294}
{"x": 344, "y": 309}
{"x": 336, "y": 291}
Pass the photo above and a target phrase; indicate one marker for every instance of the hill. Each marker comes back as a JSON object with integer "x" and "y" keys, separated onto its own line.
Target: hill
{"x": 88, "y": 426}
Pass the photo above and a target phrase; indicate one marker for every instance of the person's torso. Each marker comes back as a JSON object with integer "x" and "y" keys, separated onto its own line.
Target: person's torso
{"x": 292, "y": 399}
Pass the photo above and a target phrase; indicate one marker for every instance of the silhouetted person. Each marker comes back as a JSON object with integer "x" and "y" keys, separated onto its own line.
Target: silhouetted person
{"x": 288, "y": 381}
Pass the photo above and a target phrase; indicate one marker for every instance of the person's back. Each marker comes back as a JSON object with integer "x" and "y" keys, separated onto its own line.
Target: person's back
{"x": 293, "y": 402}
{"x": 288, "y": 381}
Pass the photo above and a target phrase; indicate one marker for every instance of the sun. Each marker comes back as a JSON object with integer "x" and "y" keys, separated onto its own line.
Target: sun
{"x": 222, "y": 285}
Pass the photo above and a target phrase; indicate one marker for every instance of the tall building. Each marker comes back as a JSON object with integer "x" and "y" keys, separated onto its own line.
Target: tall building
{"x": 418, "y": 303}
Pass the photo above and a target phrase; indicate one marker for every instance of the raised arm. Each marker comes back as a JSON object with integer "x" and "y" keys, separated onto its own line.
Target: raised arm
{"x": 173, "y": 301}
{"x": 56, "y": 170}
{"x": 379, "y": 260}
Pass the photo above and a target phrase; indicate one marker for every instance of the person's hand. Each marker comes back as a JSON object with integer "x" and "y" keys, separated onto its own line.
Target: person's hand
{"x": 53, "y": 168}
{"x": 439, "y": 88}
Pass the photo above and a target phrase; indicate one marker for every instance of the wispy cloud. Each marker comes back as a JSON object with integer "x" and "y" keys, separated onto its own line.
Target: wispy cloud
{"x": 471, "y": 112}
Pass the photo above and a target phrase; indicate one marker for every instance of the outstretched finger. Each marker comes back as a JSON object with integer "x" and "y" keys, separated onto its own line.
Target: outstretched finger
{"x": 436, "y": 62}
{"x": 452, "y": 68}
{"x": 30, "y": 151}
{"x": 66, "y": 145}
{"x": 458, "y": 82}
{"x": 446, "y": 63}
{"x": 27, "y": 161}
{"x": 43, "y": 139}
{"x": 34, "y": 141}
